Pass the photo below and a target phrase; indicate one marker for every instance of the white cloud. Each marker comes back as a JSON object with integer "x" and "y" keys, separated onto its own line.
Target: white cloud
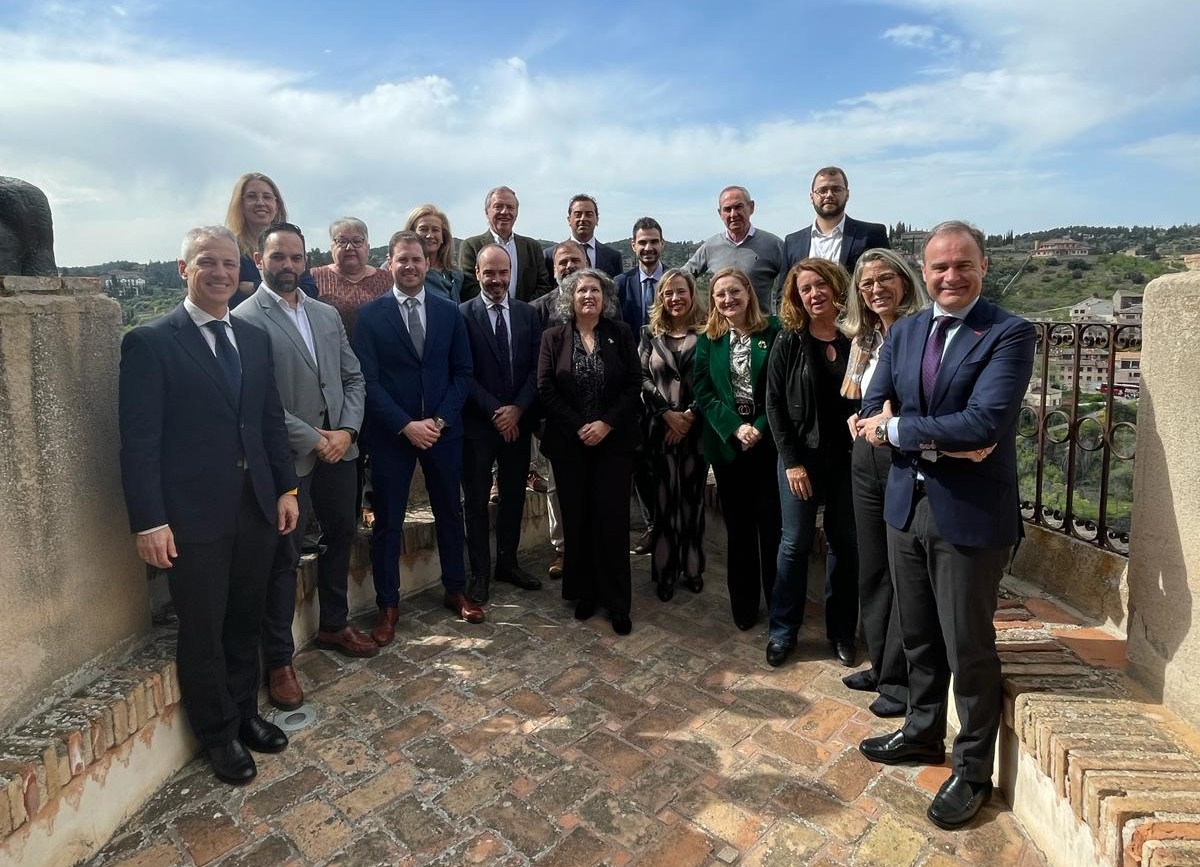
{"x": 1179, "y": 151}
{"x": 924, "y": 37}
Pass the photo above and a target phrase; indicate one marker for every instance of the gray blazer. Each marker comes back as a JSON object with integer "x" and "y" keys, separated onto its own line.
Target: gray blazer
{"x": 326, "y": 393}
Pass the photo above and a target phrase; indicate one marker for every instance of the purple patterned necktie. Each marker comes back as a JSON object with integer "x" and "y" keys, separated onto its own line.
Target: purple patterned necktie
{"x": 932, "y": 359}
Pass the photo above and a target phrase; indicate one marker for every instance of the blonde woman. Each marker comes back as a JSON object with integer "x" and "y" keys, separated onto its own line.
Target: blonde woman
{"x": 434, "y": 228}
{"x": 256, "y": 203}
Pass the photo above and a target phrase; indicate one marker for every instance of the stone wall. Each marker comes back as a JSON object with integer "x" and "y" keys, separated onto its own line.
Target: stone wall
{"x": 73, "y": 591}
{"x": 1164, "y": 553}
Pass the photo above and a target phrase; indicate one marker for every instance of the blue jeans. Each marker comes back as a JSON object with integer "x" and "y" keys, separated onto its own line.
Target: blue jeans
{"x": 831, "y": 488}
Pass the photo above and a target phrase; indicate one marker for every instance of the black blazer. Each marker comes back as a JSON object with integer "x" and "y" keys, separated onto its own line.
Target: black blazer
{"x": 561, "y": 400}
{"x": 187, "y": 441}
{"x": 608, "y": 260}
{"x": 488, "y": 390}
{"x": 857, "y": 238}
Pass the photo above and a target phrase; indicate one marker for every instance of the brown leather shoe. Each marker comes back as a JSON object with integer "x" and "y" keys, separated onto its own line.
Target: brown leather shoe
{"x": 536, "y": 483}
{"x": 556, "y": 568}
{"x": 347, "y": 641}
{"x": 464, "y": 607}
{"x": 384, "y": 629}
{"x": 283, "y": 690}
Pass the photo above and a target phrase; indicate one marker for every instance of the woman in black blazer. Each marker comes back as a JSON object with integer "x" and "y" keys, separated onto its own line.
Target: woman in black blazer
{"x": 589, "y": 377}
{"x": 672, "y": 427}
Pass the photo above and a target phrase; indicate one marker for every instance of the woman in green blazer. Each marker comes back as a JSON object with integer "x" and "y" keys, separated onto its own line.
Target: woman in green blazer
{"x": 730, "y": 389}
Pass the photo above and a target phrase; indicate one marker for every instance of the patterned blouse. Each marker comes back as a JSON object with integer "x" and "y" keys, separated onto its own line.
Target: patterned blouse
{"x": 739, "y": 366}
{"x": 347, "y": 297}
{"x": 589, "y": 377}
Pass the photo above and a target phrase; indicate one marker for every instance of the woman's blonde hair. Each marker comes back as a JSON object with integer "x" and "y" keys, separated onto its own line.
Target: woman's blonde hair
{"x": 792, "y": 314}
{"x": 718, "y": 325}
{"x": 235, "y": 217}
{"x": 658, "y": 318}
{"x": 860, "y": 321}
{"x": 445, "y": 251}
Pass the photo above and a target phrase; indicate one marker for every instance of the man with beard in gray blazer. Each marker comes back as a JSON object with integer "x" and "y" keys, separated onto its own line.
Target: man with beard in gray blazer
{"x": 322, "y": 392}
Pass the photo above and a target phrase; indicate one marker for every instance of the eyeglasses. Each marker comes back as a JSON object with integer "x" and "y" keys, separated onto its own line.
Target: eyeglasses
{"x": 349, "y": 242}
{"x": 269, "y": 198}
{"x": 885, "y": 279}
{"x": 829, "y": 191}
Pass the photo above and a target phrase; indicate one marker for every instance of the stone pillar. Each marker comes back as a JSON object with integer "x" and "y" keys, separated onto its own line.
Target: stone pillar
{"x": 72, "y": 590}
{"x": 1164, "y": 548}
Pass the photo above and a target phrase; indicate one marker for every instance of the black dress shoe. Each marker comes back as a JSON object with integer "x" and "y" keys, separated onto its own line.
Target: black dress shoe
{"x": 666, "y": 589}
{"x": 957, "y": 802}
{"x": 777, "y": 653}
{"x": 885, "y": 706}
{"x": 621, "y": 624}
{"x": 845, "y": 651}
{"x": 645, "y": 542}
{"x": 695, "y": 583}
{"x": 864, "y": 680}
{"x": 517, "y": 575}
{"x": 478, "y": 590}
{"x": 746, "y": 623}
{"x": 262, "y": 736}
{"x": 231, "y": 763}
{"x": 893, "y": 749}
{"x": 584, "y": 609}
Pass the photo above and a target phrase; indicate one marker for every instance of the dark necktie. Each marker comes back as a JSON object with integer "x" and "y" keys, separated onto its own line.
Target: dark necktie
{"x": 227, "y": 356}
{"x": 502, "y": 345}
{"x": 647, "y": 298}
{"x": 416, "y": 331}
{"x": 932, "y": 359}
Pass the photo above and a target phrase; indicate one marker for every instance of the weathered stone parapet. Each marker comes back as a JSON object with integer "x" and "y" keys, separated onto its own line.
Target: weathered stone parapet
{"x": 1164, "y": 553}
{"x": 73, "y": 589}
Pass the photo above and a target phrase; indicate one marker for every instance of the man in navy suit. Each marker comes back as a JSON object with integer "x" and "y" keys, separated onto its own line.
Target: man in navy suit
{"x": 636, "y": 291}
{"x": 583, "y": 215}
{"x": 498, "y": 419}
{"x": 416, "y": 362}
{"x": 209, "y": 486}
{"x": 955, "y": 375}
{"x": 833, "y": 235}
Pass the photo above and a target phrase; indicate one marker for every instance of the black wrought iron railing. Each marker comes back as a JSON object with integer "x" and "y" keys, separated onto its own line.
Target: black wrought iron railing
{"x": 1075, "y": 443}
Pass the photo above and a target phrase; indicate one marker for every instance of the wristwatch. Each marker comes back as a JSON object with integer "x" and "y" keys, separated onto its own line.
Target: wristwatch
{"x": 439, "y": 423}
{"x": 881, "y": 433}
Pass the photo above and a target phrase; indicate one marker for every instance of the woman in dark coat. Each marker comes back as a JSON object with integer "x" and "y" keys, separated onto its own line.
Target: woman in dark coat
{"x": 672, "y": 433}
{"x": 589, "y": 379}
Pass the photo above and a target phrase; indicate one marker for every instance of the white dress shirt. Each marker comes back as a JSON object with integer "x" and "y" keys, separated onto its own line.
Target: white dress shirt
{"x": 827, "y": 245}
{"x": 298, "y": 315}
{"x": 511, "y": 246}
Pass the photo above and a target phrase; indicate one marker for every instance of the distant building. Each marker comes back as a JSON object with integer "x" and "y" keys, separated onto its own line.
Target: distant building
{"x": 123, "y": 284}
{"x": 1060, "y": 247}
{"x": 1128, "y": 369}
{"x": 1092, "y": 310}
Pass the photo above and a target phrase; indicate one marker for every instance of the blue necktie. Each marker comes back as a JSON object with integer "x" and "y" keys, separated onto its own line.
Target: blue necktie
{"x": 647, "y": 298}
{"x": 227, "y": 356}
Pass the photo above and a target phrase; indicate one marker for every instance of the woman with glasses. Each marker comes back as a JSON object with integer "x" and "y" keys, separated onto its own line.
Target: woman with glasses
{"x": 808, "y": 420}
{"x": 351, "y": 281}
{"x": 672, "y": 433}
{"x": 885, "y": 289}
{"x": 730, "y": 386}
{"x": 256, "y": 203}
{"x": 434, "y": 228}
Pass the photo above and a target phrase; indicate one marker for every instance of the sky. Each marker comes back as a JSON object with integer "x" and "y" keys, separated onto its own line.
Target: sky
{"x": 137, "y": 117}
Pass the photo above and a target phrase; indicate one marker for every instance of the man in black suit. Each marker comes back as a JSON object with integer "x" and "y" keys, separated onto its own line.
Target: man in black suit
{"x": 583, "y": 215}
{"x": 636, "y": 291}
{"x": 528, "y": 278}
{"x": 833, "y": 235}
{"x": 498, "y": 420}
{"x": 956, "y": 374}
{"x": 209, "y": 486}
{"x": 416, "y": 362}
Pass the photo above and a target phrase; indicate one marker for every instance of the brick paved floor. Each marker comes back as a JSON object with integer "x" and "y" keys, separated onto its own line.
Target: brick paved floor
{"x": 534, "y": 739}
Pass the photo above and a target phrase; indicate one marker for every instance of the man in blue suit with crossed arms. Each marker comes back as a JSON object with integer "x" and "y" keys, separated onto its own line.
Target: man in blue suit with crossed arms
{"x": 954, "y": 377}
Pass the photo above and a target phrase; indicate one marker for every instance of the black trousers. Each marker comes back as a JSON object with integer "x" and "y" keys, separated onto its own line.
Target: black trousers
{"x": 869, "y": 468}
{"x": 512, "y": 467}
{"x": 593, "y": 490}
{"x": 330, "y": 492}
{"x": 749, "y": 494}
{"x": 946, "y": 599}
{"x": 644, "y": 483}
{"x": 680, "y": 477}
{"x": 218, "y": 589}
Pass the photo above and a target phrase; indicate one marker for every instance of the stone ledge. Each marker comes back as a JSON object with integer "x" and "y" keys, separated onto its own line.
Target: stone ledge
{"x": 1117, "y": 767}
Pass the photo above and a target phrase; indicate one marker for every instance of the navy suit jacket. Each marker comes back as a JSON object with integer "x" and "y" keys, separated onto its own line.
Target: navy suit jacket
{"x": 608, "y": 260}
{"x": 187, "y": 441}
{"x": 629, "y": 297}
{"x": 857, "y": 238}
{"x": 976, "y": 398}
{"x": 403, "y": 386}
{"x": 488, "y": 389}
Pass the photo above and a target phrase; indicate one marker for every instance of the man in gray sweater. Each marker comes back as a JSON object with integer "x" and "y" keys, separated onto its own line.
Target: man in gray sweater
{"x": 742, "y": 246}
